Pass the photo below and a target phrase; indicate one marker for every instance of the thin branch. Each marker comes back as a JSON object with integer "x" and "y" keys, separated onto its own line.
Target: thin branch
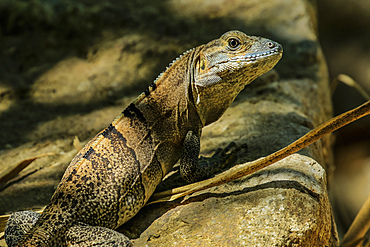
{"x": 254, "y": 166}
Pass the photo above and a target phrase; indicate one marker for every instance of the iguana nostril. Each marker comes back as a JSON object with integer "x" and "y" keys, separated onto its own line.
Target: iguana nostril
{"x": 270, "y": 45}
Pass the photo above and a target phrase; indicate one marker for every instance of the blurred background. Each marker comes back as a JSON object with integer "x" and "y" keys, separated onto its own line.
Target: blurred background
{"x": 344, "y": 34}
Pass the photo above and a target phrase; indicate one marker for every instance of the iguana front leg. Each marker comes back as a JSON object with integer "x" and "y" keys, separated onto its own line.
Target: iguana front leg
{"x": 193, "y": 169}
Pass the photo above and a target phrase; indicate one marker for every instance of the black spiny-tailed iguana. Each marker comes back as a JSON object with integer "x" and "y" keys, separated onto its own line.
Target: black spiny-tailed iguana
{"x": 114, "y": 175}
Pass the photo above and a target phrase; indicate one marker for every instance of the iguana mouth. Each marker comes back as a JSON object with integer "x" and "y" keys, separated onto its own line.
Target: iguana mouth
{"x": 254, "y": 56}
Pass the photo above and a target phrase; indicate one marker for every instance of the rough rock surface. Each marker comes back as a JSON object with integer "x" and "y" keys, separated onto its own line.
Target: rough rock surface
{"x": 50, "y": 97}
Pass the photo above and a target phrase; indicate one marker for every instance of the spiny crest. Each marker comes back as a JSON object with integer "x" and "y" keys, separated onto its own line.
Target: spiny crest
{"x": 155, "y": 84}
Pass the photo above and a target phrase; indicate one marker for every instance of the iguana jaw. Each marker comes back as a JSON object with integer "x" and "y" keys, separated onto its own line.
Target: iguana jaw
{"x": 224, "y": 71}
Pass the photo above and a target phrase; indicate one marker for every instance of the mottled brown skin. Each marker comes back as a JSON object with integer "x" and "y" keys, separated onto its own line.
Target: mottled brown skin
{"x": 114, "y": 175}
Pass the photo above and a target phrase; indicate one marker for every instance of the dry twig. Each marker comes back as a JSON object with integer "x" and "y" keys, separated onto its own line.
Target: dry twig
{"x": 254, "y": 166}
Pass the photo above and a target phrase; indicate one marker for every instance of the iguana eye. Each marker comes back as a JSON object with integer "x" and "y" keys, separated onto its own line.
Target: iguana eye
{"x": 233, "y": 43}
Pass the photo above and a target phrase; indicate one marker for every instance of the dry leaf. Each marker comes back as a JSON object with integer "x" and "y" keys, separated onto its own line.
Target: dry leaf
{"x": 20, "y": 166}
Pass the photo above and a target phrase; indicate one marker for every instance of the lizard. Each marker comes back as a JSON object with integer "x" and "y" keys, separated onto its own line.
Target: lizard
{"x": 114, "y": 174}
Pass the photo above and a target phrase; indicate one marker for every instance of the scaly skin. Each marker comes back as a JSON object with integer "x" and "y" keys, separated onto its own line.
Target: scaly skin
{"x": 114, "y": 175}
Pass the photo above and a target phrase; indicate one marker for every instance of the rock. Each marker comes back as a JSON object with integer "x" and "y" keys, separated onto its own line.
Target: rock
{"x": 283, "y": 205}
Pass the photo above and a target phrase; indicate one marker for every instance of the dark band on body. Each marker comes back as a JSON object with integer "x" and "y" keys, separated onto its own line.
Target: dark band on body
{"x": 131, "y": 111}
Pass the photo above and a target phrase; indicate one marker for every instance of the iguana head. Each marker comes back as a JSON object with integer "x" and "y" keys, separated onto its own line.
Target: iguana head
{"x": 225, "y": 66}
